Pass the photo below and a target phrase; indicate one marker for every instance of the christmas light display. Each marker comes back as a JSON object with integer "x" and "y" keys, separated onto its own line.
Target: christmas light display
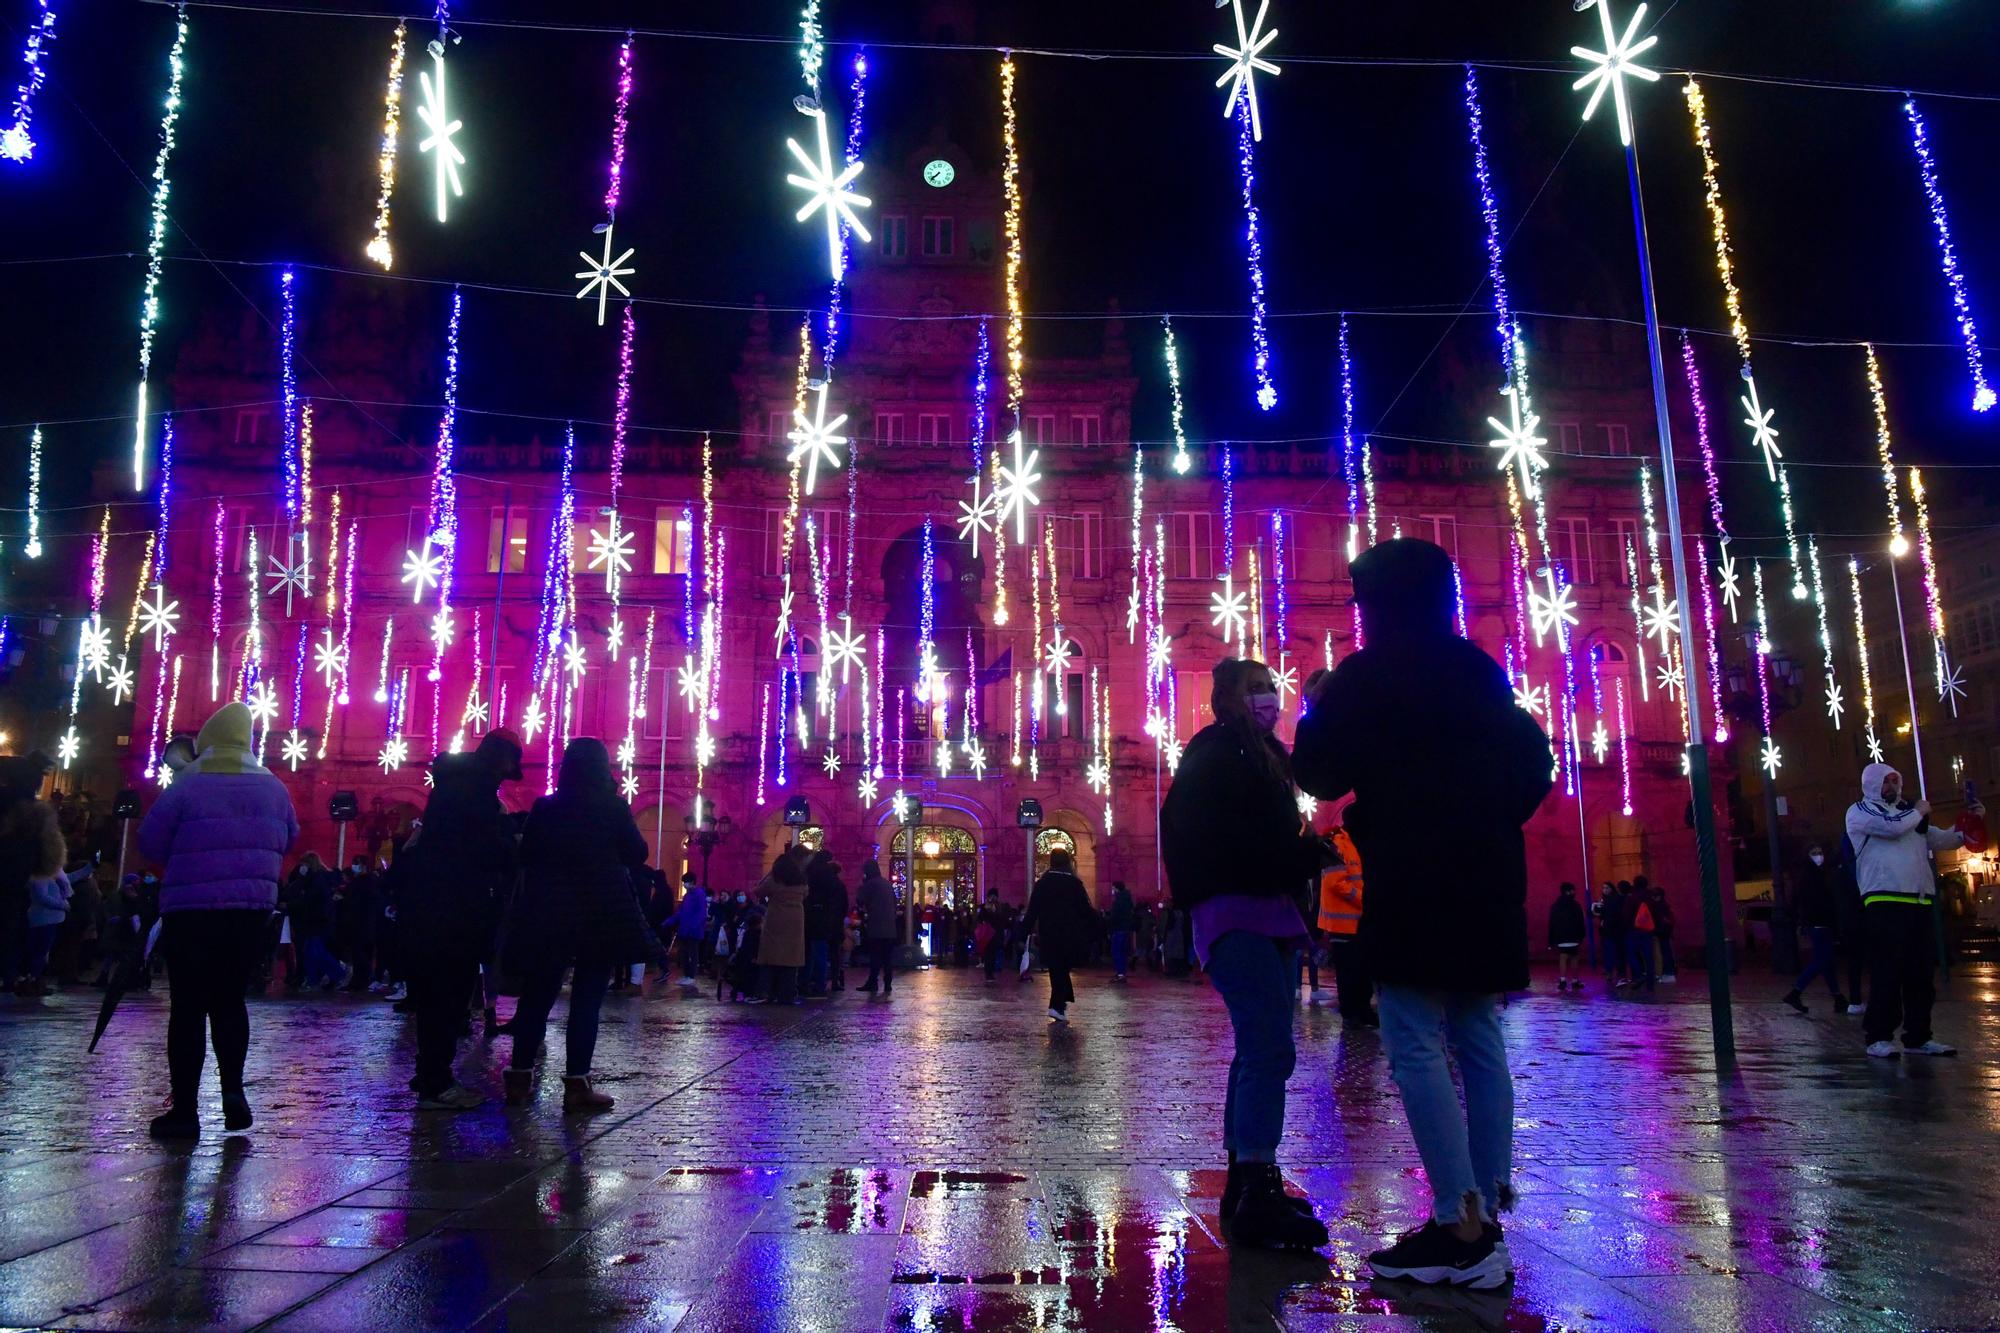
{"x": 1624, "y": 748}
{"x": 32, "y": 548}
{"x": 816, "y": 438}
{"x": 1181, "y": 460}
{"x": 1350, "y": 459}
{"x": 288, "y": 396}
{"x": 1519, "y": 446}
{"x": 764, "y": 745}
{"x": 1731, "y": 588}
{"x": 927, "y": 611}
{"x": 1253, "y": 257}
{"x": 437, "y": 118}
{"x": 1246, "y": 61}
{"x": 1256, "y": 605}
{"x": 602, "y": 274}
{"x": 1885, "y": 449}
{"x": 1638, "y": 615}
{"x": 156, "y": 239}
{"x": 1229, "y": 609}
{"x": 1861, "y": 657}
{"x": 559, "y": 573}
{"x": 17, "y": 144}
{"x": 382, "y": 670}
{"x": 1834, "y": 703}
{"x": 1983, "y": 396}
{"x": 1950, "y": 680}
{"x": 1614, "y": 64}
{"x": 828, "y": 190}
{"x": 378, "y": 248}
{"x": 1015, "y": 493}
{"x": 1714, "y": 645}
{"x": 1280, "y": 624}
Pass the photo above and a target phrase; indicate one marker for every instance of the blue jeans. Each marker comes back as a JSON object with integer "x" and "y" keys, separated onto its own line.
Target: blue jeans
{"x": 1466, "y": 1152}
{"x": 316, "y": 962}
{"x": 1121, "y": 950}
{"x": 816, "y": 956}
{"x": 1253, "y": 975}
{"x": 1640, "y": 945}
{"x": 531, "y": 1018}
{"x": 1822, "y": 960}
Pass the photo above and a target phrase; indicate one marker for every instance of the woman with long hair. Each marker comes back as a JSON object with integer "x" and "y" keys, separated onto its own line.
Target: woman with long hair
{"x": 1237, "y": 858}
{"x": 221, "y": 831}
{"x": 577, "y": 909}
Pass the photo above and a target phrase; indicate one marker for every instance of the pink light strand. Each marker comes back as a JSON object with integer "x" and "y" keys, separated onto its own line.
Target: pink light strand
{"x": 763, "y": 741}
{"x": 622, "y": 414}
{"x": 619, "y": 109}
{"x": 1714, "y": 646}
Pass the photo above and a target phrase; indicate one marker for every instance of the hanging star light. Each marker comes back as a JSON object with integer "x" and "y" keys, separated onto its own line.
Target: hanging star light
{"x": 442, "y": 629}
{"x": 1600, "y": 741}
{"x": 816, "y": 439}
{"x": 1835, "y": 702}
{"x": 329, "y": 658}
{"x": 120, "y": 683}
{"x": 422, "y": 570}
{"x": 1671, "y": 677}
{"x": 827, "y": 190}
{"x": 1531, "y": 699}
{"x": 1246, "y": 62}
{"x": 94, "y": 647}
{"x": 975, "y": 516}
{"x": 1518, "y": 444}
{"x": 614, "y": 638}
{"x": 288, "y": 578}
{"x": 1175, "y": 749}
{"x": 975, "y": 758}
{"x": 1759, "y": 422}
{"x": 601, "y": 275}
{"x": 783, "y": 633}
{"x": 575, "y": 660}
{"x": 1557, "y": 608}
{"x": 294, "y": 749}
{"x": 691, "y": 677}
{"x": 158, "y": 616}
{"x": 1097, "y": 775}
{"x": 628, "y": 750}
{"x": 1016, "y": 489}
{"x": 1229, "y": 609}
{"x": 628, "y": 786}
{"x": 263, "y": 702}
{"x": 475, "y": 713}
{"x": 16, "y": 143}
{"x": 1663, "y": 618}
{"x": 612, "y": 552}
{"x": 1773, "y": 758}
{"x": 1950, "y": 682}
{"x": 532, "y": 717}
{"x": 438, "y": 120}
{"x": 830, "y": 763}
{"x": 1286, "y": 678}
{"x": 867, "y": 788}
{"x": 1728, "y": 581}
{"x": 845, "y": 649}
{"x": 1056, "y": 659}
{"x": 1613, "y": 64}
{"x": 394, "y": 752}
{"x": 69, "y": 746}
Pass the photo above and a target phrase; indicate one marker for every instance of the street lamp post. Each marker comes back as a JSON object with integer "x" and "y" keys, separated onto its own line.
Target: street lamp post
{"x": 1744, "y": 706}
{"x": 705, "y": 833}
{"x": 1614, "y": 65}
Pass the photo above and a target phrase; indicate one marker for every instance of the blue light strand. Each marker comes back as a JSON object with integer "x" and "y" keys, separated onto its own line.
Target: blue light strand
{"x": 156, "y": 239}
{"x": 1983, "y": 397}
{"x": 1228, "y": 508}
{"x": 857, "y": 101}
{"x": 687, "y": 570}
{"x": 443, "y": 516}
{"x": 562, "y": 523}
{"x": 288, "y": 394}
{"x": 982, "y": 362}
{"x": 165, "y": 498}
{"x": 1458, "y": 595}
{"x": 1278, "y": 623}
{"x": 1489, "y": 213}
{"x": 1253, "y": 248}
{"x": 1350, "y": 463}
{"x": 929, "y": 611}
{"x": 16, "y": 143}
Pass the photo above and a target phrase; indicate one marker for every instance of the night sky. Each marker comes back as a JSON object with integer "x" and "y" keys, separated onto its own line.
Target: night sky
{"x": 1364, "y": 181}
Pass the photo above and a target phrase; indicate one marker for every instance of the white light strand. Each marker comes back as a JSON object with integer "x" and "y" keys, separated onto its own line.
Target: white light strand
{"x": 156, "y": 239}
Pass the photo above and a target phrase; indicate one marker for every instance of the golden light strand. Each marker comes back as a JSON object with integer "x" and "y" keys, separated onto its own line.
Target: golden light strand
{"x": 1257, "y": 602}
{"x": 1017, "y": 358}
{"x": 1927, "y": 552}
{"x": 1861, "y": 652}
{"x": 1717, "y": 220}
{"x": 139, "y": 593}
{"x": 1885, "y": 449}
{"x": 385, "y": 162}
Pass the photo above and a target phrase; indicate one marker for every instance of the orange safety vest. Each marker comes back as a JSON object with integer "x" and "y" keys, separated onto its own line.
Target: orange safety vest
{"x": 1340, "y": 889}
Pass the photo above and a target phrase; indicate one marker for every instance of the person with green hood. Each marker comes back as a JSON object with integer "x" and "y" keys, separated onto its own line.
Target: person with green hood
{"x": 221, "y": 832}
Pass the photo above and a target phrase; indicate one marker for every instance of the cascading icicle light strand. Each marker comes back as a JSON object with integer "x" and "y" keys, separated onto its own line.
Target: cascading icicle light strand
{"x": 378, "y": 248}
{"x": 17, "y": 143}
{"x": 32, "y": 548}
{"x": 1983, "y": 397}
{"x": 1833, "y": 701}
{"x": 1885, "y": 451}
{"x": 288, "y": 394}
{"x": 1861, "y": 657}
{"x": 1253, "y": 256}
{"x": 1181, "y": 461}
{"x": 156, "y": 239}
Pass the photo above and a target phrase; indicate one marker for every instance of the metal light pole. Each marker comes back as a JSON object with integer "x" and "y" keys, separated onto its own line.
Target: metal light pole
{"x": 1917, "y": 741}
{"x": 1614, "y": 64}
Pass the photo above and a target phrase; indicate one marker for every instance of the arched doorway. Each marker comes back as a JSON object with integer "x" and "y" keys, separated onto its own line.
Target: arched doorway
{"x": 1071, "y": 832}
{"x": 1617, "y": 847}
{"x": 935, "y": 864}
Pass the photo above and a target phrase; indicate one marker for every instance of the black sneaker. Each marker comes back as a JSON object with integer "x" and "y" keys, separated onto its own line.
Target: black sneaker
{"x": 236, "y": 1115}
{"x": 1270, "y": 1219}
{"x": 1431, "y": 1254}
{"x": 1792, "y": 998}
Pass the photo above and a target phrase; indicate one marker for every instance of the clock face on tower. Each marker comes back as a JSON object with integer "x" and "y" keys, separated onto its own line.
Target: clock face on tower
{"x": 938, "y": 173}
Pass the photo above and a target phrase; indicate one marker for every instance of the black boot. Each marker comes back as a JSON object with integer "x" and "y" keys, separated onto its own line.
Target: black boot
{"x": 1792, "y": 998}
{"x": 235, "y": 1112}
{"x": 1267, "y": 1217}
{"x": 1232, "y": 1190}
{"x": 176, "y": 1123}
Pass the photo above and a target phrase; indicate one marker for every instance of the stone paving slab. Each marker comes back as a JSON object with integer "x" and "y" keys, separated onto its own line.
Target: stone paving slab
{"x": 945, "y": 1159}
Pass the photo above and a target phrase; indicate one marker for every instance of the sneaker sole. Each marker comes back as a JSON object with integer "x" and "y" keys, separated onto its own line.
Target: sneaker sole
{"x": 1490, "y": 1272}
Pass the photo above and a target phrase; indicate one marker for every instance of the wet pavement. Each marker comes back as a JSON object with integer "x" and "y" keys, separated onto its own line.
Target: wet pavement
{"x": 944, "y": 1160}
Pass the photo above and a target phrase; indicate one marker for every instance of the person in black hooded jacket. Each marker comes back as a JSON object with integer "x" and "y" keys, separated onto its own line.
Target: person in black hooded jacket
{"x": 450, "y": 882}
{"x": 1422, "y": 727}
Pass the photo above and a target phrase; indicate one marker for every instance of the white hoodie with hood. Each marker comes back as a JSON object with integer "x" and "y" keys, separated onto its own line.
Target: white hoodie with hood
{"x": 1892, "y": 847}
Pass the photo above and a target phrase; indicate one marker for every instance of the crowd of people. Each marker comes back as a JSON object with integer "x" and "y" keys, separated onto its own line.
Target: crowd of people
{"x": 476, "y": 903}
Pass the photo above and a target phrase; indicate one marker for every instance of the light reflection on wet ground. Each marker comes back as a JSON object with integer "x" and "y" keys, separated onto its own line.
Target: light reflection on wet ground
{"x": 945, "y": 1162}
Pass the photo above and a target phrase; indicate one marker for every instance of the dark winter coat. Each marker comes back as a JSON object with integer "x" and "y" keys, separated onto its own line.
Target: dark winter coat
{"x": 877, "y": 901}
{"x": 1061, "y": 918}
{"x": 1422, "y": 727}
{"x": 453, "y": 879}
{"x": 1230, "y": 826}
{"x": 1565, "y": 921}
{"x": 784, "y": 940}
{"x": 222, "y": 830}
{"x": 826, "y": 901}
{"x": 1122, "y": 915}
{"x": 577, "y": 901}
{"x": 1812, "y": 896}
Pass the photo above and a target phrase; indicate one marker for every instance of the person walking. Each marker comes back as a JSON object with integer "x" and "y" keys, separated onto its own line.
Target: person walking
{"x": 823, "y": 898}
{"x": 690, "y": 929}
{"x": 36, "y": 824}
{"x": 1340, "y": 899}
{"x": 1566, "y": 934}
{"x": 1611, "y": 925}
{"x": 1236, "y": 852}
{"x": 451, "y": 880}
{"x": 1415, "y": 703}
{"x": 1064, "y": 924}
{"x": 360, "y": 910}
{"x": 877, "y": 900}
{"x": 577, "y": 908}
{"x": 781, "y": 952}
{"x": 221, "y": 831}
{"x": 1120, "y": 919}
{"x": 1812, "y": 903}
{"x": 1639, "y": 924}
{"x": 1893, "y": 844}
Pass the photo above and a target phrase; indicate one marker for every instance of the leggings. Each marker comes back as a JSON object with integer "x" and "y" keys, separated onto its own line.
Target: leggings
{"x": 209, "y": 958}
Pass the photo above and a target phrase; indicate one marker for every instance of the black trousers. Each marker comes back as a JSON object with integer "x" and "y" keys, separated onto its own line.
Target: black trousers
{"x": 440, "y": 990}
{"x": 209, "y": 959}
{"x": 881, "y": 964}
{"x": 1356, "y": 988}
{"x": 1902, "y": 955}
{"x": 1061, "y": 992}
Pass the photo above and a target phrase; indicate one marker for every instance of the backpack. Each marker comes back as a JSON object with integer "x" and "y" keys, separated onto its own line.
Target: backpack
{"x": 1643, "y": 918}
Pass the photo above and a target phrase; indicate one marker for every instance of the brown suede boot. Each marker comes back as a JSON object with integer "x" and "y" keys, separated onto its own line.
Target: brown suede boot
{"x": 579, "y": 1098}
{"x": 520, "y": 1085}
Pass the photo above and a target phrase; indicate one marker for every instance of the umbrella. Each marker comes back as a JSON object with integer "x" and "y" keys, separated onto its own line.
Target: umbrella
{"x": 129, "y": 970}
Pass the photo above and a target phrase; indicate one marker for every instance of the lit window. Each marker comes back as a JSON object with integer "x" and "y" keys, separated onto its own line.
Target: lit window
{"x": 673, "y": 541}
{"x": 514, "y": 540}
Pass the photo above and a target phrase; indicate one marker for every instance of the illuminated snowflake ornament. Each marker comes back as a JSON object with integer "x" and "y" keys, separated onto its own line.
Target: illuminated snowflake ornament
{"x": 1229, "y": 609}
{"x": 628, "y": 786}
{"x": 294, "y": 749}
{"x": 830, "y": 763}
{"x": 1531, "y": 699}
{"x": 1132, "y": 614}
{"x": 1874, "y": 744}
{"x": 158, "y": 616}
{"x": 395, "y": 751}
{"x": 69, "y": 746}
{"x": 290, "y": 579}
{"x": 575, "y": 660}
{"x": 438, "y": 120}
{"x": 1600, "y": 742}
{"x": 704, "y": 749}
{"x": 1056, "y": 660}
{"x": 1671, "y": 677}
{"x": 1549, "y": 612}
{"x": 844, "y": 649}
{"x": 1098, "y": 775}
{"x": 603, "y": 274}
{"x": 1160, "y": 656}
{"x": 783, "y": 632}
{"x": 1729, "y": 582}
{"x": 1951, "y": 684}
{"x": 628, "y": 750}
{"x": 1759, "y": 422}
{"x": 690, "y": 678}
{"x": 1287, "y": 680}
{"x": 816, "y": 438}
{"x": 1518, "y": 444}
{"x": 1174, "y": 752}
{"x": 614, "y": 638}
{"x": 975, "y": 759}
{"x": 944, "y": 761}
{"x": 1835, "y": 704}
{"x": 612, "y": 552}
{"x": 475, "y": 713}
{"x": 263, "y": 703}
{"x": 1773, "y": 760}
{"x": 532, "y": 718}
{"x": 120, "y": 683}
{"x": 867, "y": 788}
{"x": 827, "y": 190}
{"x": 975, "y": 516}
{"x": 1016, "y": 491}
{"x": 1246, "y": 62}
{"x": 1308, "y": 807}
{"x": 1663, "y": 618}
{"x": 443, "y": 628}
{"x": 93, "y": 647}
{"x": 422, "y": 570}
{"x": 1613, "y": 65}
{"x": 329, "y": 658}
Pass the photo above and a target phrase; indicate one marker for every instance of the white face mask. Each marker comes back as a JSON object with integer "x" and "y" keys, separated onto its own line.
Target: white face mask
{"x": 1264, "y": 709}
{"x": 1818, "y": 859}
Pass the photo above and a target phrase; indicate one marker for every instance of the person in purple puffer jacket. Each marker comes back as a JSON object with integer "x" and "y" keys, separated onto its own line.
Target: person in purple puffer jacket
{"x": 221, "y": 831}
